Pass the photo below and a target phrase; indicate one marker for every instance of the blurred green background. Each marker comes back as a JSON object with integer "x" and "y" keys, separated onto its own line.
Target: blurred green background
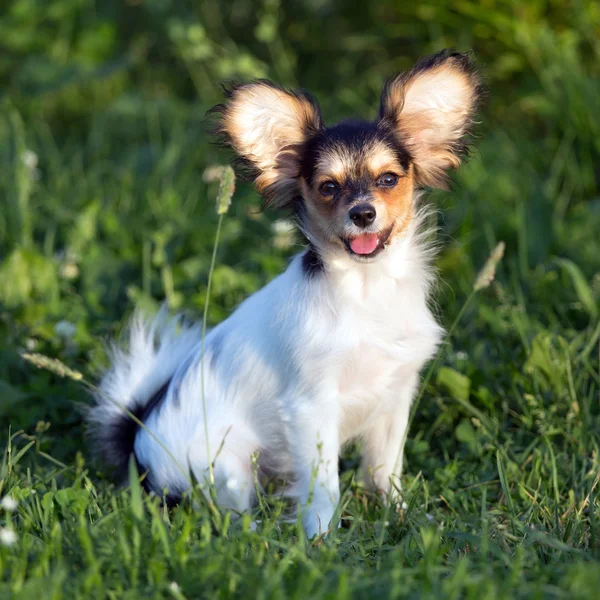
{"x": 103, "y": 145}
{"x": 104, "y": 206}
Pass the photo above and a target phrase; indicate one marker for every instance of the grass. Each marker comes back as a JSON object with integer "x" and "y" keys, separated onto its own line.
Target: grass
{"x": 104, "y": 206}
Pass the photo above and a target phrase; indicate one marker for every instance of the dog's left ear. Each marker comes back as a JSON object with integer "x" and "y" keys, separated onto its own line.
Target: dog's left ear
{"x": 431, "y": 108}
{"x": 267, "y": 126}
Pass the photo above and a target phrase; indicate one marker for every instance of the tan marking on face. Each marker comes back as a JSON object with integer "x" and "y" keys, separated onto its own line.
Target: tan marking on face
{"x": 358, "y": 171}
{"x": 336, "y": 165}
{"x": 395, "y": 204}
{"x": 381, "y": 159}
{"x": 340, "y": 164}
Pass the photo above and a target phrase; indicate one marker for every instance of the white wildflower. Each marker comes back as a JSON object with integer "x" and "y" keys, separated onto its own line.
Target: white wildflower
{"x": 283, "y": 230}
{"x": 67, "y": 264}
{"x": 174, "y": 587}
{"x": 488, "y": 272}
{"x": 226, "y": 190}
{"x": 30, "y": 159}
{"x": 51, "y": 364}
{"x": 69, "y": 271}
{"x": 7, "y": 536}
{"x": 282, "y": 226}
{"x": 65, "y": 329}
{"x": 9, "y": 504}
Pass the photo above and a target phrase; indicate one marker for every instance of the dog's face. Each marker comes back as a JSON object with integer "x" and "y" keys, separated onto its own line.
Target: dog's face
{"x": 357, "y": 185}
{"x": 352, "y": 185}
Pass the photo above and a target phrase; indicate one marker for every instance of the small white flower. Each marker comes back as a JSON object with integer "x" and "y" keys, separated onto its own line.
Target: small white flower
{"x": 462, "y": 355}
{"x": 7, "y": 536}
{"x": 283, "y": 231}
{"x": 65, "y": 329}
{"x": 69, "y": 270}
{"x": 282, "y": 227}
{"x": 174, "y": 586}
{"x": 30, "y": 344}
{"x": 9, "y": 504}
{"x": 30, "y": 159}
{"x": 232, "y": 484}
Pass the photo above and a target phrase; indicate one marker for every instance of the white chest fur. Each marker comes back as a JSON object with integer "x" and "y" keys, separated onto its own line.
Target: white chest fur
{"x": 368, "y": 331}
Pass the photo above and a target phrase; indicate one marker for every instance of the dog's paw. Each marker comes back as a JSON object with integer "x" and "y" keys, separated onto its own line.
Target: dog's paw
{"x": 392, "y": 496}
{"x": 314, "y": 525}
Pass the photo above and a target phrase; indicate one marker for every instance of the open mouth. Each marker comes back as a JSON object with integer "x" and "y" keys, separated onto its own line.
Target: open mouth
{"x": 368, "y": 245}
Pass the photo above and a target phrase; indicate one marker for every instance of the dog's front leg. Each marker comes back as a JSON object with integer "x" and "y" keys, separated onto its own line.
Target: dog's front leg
{"x": 384, "y": 442}
{"x": 315, "y": 449}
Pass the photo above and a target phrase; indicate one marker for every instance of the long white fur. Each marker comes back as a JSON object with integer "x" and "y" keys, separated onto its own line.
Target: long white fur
{"x": 300, "y": 368}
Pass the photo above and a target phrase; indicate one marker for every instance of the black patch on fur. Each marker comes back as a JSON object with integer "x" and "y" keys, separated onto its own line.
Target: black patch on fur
{"x": 172, "y": 500}
{"x": 177, "y": 380}
{"x": 216, "y": 347}
{"x": 118, "y": 439}
{"x": 155, "y": 400}
{"x": 312, "y": 264}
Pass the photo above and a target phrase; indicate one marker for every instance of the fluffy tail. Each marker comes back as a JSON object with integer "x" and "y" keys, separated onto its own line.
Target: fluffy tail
{"x": 137, "y": 379}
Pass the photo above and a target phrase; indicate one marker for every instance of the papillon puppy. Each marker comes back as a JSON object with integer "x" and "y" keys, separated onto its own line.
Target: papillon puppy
{"x": 330, "y": 350}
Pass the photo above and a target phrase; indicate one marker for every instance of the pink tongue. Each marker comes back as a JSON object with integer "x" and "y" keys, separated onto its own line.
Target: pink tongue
{"x": 364, "y": 244}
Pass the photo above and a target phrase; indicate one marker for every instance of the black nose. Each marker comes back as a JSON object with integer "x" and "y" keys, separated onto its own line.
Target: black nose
{"x": 362, "y": 215}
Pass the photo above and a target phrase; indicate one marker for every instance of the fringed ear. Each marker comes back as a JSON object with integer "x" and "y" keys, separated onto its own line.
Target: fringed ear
{"x": 431, "y": 108}
{"x": 267, "y": 127}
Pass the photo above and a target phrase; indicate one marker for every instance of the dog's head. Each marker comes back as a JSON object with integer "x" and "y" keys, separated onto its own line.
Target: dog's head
{"x": 353, "y": 184}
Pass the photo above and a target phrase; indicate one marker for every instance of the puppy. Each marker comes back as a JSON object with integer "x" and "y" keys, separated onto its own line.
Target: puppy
{"x": 330, "y": 350}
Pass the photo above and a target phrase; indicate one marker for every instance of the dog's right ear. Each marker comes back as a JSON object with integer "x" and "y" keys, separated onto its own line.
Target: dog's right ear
{"x": 267, "y": 126}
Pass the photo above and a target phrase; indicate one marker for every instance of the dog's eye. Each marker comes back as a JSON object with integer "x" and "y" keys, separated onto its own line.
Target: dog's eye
{"x": 387, "y": 180}
{"x": 328, "y": 188}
